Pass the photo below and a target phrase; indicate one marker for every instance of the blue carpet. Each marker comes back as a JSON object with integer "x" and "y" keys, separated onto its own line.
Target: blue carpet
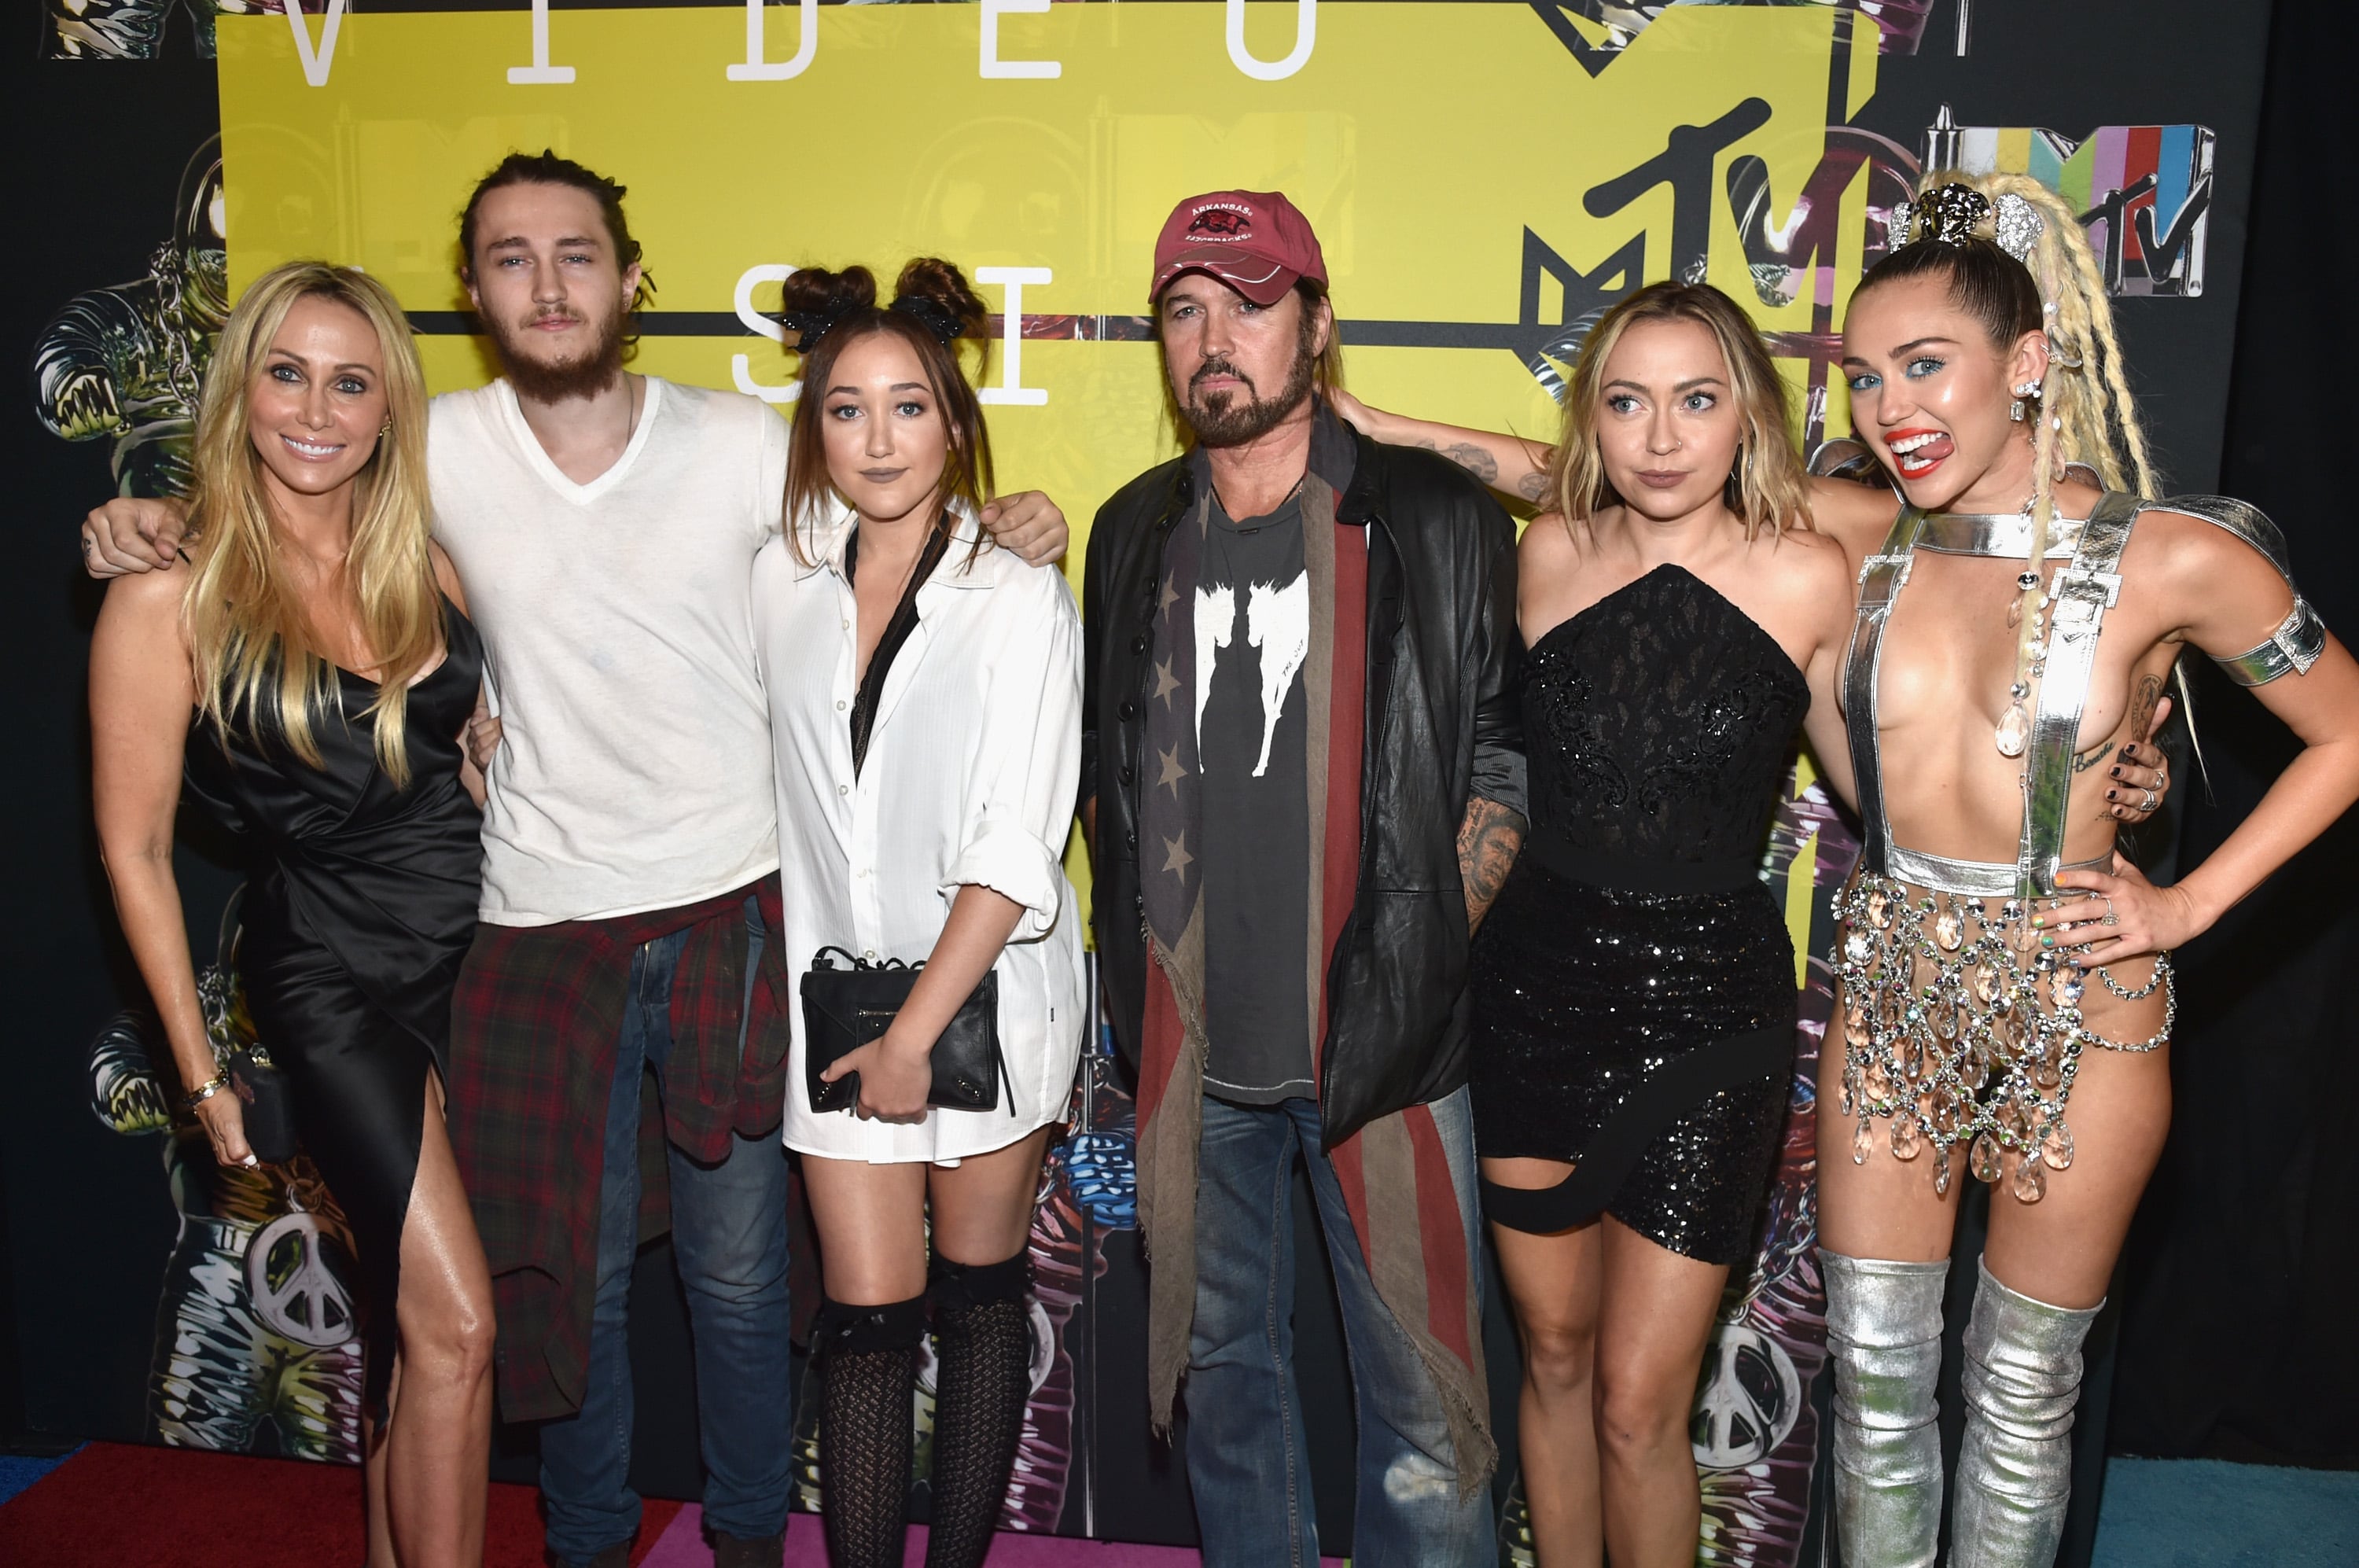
{"x": 2206, "y": 1513}
{"x": 18, "y": 1471}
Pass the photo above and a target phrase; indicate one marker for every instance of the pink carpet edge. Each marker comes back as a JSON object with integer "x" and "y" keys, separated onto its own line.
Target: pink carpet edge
{"x": 682, "y": 1545}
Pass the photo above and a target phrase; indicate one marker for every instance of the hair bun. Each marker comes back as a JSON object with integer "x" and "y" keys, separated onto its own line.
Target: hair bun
{"x": 932, "y": 278}
{"x": 814, "y": 293}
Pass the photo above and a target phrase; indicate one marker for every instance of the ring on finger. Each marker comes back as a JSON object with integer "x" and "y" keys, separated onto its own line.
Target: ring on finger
{"x": 2146, "y": 806}
{"x": 2111, "y": 918}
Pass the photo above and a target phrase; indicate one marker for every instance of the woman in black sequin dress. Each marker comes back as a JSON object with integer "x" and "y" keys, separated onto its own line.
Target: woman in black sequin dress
{"x": 1633, "y": 987}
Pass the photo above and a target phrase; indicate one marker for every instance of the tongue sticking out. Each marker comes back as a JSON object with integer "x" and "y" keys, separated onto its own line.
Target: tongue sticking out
{"x": 1917, "y": 463}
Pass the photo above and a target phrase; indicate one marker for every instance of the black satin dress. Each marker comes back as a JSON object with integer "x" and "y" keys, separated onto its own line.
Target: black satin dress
{"x": 360, "y": 904}
{"x": 1633, "y": 987}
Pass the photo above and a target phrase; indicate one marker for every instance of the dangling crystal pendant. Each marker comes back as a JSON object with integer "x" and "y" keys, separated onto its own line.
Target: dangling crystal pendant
{"x": 1907, "y": 1138}
{"x": 2031, "y": 1180}
{"x": 1987, "y": 983}
{"x": 1878, "y": 1082}
{"x": 2013, "y": 730}
{"x": 1949, "y": 929}
{"x": 1942, "y": 1171}
{"x": 2056, "y": 1146}
{"x": 2066, "y": 987}
{"x": 1945, "y": 1020}
{"x": 1985, "y": 1160}
{"x": 1880, "y": 908}
{"x": 1863, "y": 1141}
{"x": 1855, "y": 1022}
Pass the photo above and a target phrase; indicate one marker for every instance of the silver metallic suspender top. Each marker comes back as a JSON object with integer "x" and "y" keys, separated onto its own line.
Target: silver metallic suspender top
{"x": 1960, "y": 1024}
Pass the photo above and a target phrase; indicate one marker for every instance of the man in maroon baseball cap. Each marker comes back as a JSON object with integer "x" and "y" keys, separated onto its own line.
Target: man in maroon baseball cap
{"x": 1300, "y": 654}
{"x": 1257, "y": 242}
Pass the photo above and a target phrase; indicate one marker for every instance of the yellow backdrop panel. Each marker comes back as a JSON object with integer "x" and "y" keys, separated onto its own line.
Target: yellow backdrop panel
{"x": 1423, "y": 140}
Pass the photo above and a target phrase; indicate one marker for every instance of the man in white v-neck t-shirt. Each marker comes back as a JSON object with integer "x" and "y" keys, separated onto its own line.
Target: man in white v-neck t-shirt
{"x": 605, "y": 525}
{"x": 617, "y": 614}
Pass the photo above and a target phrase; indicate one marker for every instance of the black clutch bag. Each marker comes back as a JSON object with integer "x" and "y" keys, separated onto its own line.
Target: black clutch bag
{"x": 265, "y": 1101}
{"x": 846, "y": 1008}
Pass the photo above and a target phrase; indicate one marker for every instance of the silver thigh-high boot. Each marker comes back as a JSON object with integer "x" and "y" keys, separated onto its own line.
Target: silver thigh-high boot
{"x": 2014, "y": 1473}
{"x": 1884, "y": 1327}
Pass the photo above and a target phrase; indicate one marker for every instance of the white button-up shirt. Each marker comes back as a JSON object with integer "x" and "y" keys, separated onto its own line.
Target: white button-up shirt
{"x": 973, "y": 759}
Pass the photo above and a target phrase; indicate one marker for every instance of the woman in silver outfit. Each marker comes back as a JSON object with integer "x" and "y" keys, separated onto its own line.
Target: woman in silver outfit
{"x": 1997, "y": 962}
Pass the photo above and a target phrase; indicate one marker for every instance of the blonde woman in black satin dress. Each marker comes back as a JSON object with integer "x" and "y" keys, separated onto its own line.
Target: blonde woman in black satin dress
{"x": 308, "y": 673}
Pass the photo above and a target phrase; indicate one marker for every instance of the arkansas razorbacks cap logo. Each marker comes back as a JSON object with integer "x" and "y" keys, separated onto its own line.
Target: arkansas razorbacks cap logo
{"x": 1220, "y": 223}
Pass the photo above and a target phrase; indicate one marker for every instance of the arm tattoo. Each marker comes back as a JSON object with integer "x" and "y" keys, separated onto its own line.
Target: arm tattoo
{"x": 2150, "y": 694}
{"x": 1487, "y": 843}
{"x": 2086, "y": 760}
{"x": 1474, "y": 460}
{"x": 1533, "y": 486}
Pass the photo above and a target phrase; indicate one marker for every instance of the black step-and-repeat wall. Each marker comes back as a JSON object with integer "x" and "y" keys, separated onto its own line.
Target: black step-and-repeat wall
{"x": 1487, "y": 178}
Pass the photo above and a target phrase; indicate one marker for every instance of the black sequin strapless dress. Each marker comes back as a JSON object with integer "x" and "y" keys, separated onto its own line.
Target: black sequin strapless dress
{"x": 1633, "y": 987}
{"x": 360, "y": 903}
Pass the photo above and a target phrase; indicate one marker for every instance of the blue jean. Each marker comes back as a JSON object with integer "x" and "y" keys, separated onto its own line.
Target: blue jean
{"x": 729, "y": 1235}
{"x": 1246, "y": 1460}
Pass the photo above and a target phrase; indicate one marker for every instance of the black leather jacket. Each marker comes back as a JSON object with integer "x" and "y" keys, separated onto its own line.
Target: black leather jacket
{"x": 1443, "y": 726}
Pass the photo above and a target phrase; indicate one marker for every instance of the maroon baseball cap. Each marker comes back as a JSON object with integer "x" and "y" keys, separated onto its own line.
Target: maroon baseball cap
{"x": 1257, "y": 242}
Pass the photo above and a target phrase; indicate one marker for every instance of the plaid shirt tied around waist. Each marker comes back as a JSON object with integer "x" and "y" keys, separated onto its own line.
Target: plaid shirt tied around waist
{"x": 535, "y": 1025}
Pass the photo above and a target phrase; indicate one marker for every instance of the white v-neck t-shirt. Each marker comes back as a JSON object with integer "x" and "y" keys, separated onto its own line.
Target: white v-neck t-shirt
{"x": 634, "y": 768}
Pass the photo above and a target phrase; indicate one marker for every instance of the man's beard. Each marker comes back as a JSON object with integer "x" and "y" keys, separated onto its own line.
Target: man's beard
{"x": 1220, "y": 418}
{"x": 585, "y": 374}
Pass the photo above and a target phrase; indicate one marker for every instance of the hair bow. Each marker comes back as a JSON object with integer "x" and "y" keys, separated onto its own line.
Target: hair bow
{"x": 936, "y": 316}
{"x": 810, "y": 326}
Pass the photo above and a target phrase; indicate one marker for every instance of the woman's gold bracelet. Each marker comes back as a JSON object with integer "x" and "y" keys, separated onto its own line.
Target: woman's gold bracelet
{"x": 205, "y": 1091}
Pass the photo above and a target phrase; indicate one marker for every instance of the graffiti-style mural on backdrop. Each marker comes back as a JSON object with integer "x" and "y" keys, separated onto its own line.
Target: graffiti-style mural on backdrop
{"x": 1487, "y": 180}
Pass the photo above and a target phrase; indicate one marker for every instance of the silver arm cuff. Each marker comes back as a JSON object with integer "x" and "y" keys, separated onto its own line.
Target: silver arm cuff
{"x": 2301, "y": 637}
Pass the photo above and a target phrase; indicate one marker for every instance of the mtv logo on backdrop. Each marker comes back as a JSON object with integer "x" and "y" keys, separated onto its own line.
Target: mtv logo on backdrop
{"x": 2144, "y": 192}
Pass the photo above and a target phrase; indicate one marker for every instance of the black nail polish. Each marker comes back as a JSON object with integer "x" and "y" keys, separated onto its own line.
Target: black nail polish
{"x": 2116, "y": 772}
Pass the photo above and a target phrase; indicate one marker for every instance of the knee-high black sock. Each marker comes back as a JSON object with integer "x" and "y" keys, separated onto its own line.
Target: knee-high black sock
{"x": 984, "y": 1332}
{"x": 871, "y": 1366}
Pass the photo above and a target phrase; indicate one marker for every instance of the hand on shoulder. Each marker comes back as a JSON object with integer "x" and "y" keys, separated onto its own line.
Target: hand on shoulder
{"x": 130, "y": 535}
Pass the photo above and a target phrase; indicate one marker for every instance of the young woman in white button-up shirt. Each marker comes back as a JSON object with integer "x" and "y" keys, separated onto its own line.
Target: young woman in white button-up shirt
{"x": 925, "y": 691}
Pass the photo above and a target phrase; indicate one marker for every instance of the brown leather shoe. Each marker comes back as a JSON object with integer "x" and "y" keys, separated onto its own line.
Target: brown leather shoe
{"x": 734, "y": 1551}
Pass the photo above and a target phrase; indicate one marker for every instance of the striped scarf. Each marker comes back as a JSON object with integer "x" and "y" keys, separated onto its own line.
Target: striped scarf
{"x": 1395, "y": 1172}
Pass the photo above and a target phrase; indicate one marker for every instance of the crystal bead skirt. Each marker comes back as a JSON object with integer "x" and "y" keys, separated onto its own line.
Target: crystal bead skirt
{"x": 1959, "y": 1028}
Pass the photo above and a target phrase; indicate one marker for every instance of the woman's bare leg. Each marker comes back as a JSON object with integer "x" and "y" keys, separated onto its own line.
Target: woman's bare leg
{"x": 436, "y": 1453}
{"x": 1553, "y": 1287}
{"x": 983, "y": 1210}
{"x": 2061, "y": 1249}
{"x": 1653, "y": 1321}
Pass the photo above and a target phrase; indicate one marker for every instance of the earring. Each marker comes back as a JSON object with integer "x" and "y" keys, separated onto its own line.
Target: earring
{"x": 2014, "y": 410}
